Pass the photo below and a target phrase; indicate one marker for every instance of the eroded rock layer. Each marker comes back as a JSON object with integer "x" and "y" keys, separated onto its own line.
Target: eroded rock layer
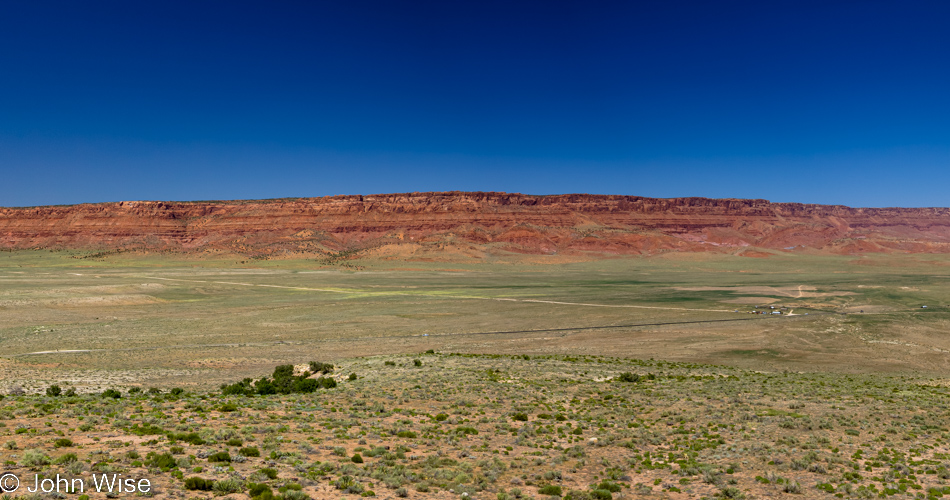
{"x": 476, "y": 224}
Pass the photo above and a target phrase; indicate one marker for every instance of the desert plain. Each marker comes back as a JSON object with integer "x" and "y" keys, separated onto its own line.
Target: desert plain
{"x": 475, "y": 346}
{"x": 680, "y": 375}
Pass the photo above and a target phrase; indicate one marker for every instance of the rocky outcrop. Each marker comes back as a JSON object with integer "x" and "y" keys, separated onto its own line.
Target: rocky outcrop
{"x": 476, "y": 223}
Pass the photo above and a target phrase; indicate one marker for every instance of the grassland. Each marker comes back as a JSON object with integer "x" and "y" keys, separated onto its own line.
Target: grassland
{"x": 842, "y": 395}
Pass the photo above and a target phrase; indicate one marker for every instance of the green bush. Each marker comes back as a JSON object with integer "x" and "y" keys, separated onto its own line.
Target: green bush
{"x": 317, "y": 367}
{"x": 250, "y": 451}
{"x": 191, "y": 438}
{"x": 629, "y": 377}
{"x": 63, "y": 443}
{"x": 520, "y": 417}
{"x": 357, "y": 458}
{"x": 66, "y": 459}
{"x": 221, "y": 456}
{"x": 551, "y": 490}
{"x": 607, "y": 485}
{"x": 146, "y": 430}
{"x": 270, "y": 473}
{"x": 227, "y": 486}
{"x": 111, "y": 393}
{"x": 34, "y": 458}
{"x": 164, "y": 461}
{"x": 54, "y": 390}
{"x": 601, "y": 495}
{"x": 198, "y": 483}
{"x": 261, "y": 491}
{"x": 294, "y": 495}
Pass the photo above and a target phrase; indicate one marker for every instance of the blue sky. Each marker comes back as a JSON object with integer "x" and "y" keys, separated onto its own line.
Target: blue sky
{"x": 820, "y": 102}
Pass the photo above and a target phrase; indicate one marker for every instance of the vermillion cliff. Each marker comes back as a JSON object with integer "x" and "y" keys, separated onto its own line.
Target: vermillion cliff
{"x": 475, "y": 224}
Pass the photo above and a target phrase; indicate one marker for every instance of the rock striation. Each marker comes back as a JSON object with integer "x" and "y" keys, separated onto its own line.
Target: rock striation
{"x": 476, "y": 224}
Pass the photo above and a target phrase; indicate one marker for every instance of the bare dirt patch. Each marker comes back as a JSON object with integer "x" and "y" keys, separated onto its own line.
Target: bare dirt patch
{"x": 751, "y": 300}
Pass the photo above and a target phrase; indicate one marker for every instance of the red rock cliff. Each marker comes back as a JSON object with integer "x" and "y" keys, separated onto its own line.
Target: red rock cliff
{"x": 570, "y": 223}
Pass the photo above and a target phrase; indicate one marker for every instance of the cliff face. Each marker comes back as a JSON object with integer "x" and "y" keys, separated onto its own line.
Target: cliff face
{"x": 476, "y": 223}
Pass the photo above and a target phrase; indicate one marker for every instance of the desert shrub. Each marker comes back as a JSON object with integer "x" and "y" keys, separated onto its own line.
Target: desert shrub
{"x": 176, "y": 450}
{"x": 296, "y": 495}
{"x": 111, "y": 393}
{"x": 63, "y": 443}
{"x": 164, "y": 461}
{"x": 226, "y": 486}
{"x": 575, "y": 452}
{"x": 629, "y": 377}
{"x": 317, "y": 367}
{"x": 198, "y": 483}
{"x": 235, "y": 442}
{"x": 357, "y": 458}
{"x": 283, "y": 382}
{"x": 732, "y": 492}
{"x": 221, "y": 456}
{"x": 250, "y": 451}
{"x": 34, "y": 458}
{"x": 177, "y": 391}
{"x": 348, "y": 485}
{"x": 154, "y": 390}
{"x": 417, "y": 362}
{"x": 269, "y": 472}
{"x": 227, "y": 408}
{"x": 242, "y": 388}
{"x": 146, "y": 430}
{"x": 54, "y": 390}
{"x": 66, "y": 459}
{"x": 609, "y": 486}
{"x": 601, "y": 495}
{"x": 10, "y": 445}
{"x": 520, "y": 417}
{"x": 257, "y": 490}
{"x": 135, "y": 390}
{"x": 551, "y": 489}
{"x": 406, "y": 434}
{"x": 389, "y": 363}
{"x": 352, "y": 376}
{"x": 190, "y": 438}
{"x": 792, "y": 487}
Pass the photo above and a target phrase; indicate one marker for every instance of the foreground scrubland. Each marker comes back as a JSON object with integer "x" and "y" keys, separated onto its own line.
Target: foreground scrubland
{"x": 443, "y": 425}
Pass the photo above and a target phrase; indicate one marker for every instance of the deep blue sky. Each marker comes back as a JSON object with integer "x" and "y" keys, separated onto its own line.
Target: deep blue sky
{"x": 840, "y": 102}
